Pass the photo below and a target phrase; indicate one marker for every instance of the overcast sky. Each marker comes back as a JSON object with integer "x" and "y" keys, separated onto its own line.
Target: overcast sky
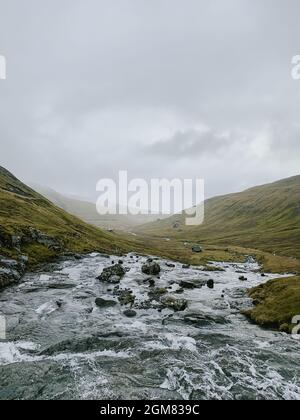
{"x": 162, "y": 88}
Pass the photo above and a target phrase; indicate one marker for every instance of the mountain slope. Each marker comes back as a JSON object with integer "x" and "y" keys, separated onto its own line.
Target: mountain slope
{"x": 87, "y": 211}
{"x": 32, "y": 225}
{"x": 265, "y": 217}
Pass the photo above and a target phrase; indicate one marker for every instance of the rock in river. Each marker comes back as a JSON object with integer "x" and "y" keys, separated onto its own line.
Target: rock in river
{"x": 130, "y": 313}
{"x": 210, "y": 284}
{"x": 151, "y": 268}
{"x": 126, "y": 297}
{"x": 187, "y": 284}
{"x": 172, "y": 302}
{"x": 112, "y": 274}
{"x": 103, "y": 303}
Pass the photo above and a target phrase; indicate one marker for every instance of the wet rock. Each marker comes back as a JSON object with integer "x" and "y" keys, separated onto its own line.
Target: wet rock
{"x": 212, "y": 268}
{"x": 179, "y": 291}
{"x": 201, "y": 319}
{"x": 174, "y": 303}
{"x": 243, "y": 278}
{"x": 59, "y": 303}
{"x": 41, "y": 238}
{"x": 170, "y": 265}
{"x": 121, "y": 262}
{"x": 285, "y": 328}
{"x": 103, "y": 303}
{"x": 11, "y": 271}
{"x": 250, "y": 259}
{"x": 112, "y": 274}
{"x": 157, "y": 293}
{"x": 187, "y": 284}
{"x": 116, "y": 290}
{"x": 84, "y": 295}
{"x": 151, "y": 268}
{"x": 61, "y": 286}
{"x": 130, "y": 313}
{"x": 146, "y": 304}
{"x": 88, "y": 310}
{"x": 186, "y": 266}
{"x": 210, "y": 284}
{"x": 152, "y": 283}
{"x": 126, "y": 297}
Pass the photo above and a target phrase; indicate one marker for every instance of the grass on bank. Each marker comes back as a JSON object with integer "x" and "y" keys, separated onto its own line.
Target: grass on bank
{"x": 276, "y": 303}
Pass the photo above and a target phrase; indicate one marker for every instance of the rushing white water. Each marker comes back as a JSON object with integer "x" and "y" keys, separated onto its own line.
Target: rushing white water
{"x": 61, "y": 345}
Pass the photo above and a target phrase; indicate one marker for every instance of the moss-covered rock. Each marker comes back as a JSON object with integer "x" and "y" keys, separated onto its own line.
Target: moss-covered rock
{"x": 277, "y": 302}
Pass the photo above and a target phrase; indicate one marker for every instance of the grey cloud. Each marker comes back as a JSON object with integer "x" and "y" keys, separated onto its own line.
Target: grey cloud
{"x": 191, "y": 144}
{"x": 92, "y": 84}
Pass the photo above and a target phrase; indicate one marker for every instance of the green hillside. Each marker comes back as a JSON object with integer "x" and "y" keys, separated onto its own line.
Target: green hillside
{"x": 32, "y": 225}
{"x": 265, "y": 217}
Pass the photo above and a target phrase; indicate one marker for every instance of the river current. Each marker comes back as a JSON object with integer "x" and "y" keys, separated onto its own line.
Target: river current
{"x": 61, "y": 345}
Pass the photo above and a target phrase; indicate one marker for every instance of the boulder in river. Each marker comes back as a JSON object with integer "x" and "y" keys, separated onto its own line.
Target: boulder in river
{"x": 151, "y": 282}
{"x": 243, "y": 278}
{"x": 104, "y": 303}
{"x": 156, "y": 294}
{"x": 203, "y": 319}
{"x": 170, "y": 265}
{"x": 151, "y": 268}
{"x": 210, "y": 284}
{"x": 130, "y": 313}
{"x": 185, "y": 284}
{"x": 11, "y": 271}
{"x": 174, "y": 303}
{"x": 112, "y": 274}
{"x": 126, "y": 297}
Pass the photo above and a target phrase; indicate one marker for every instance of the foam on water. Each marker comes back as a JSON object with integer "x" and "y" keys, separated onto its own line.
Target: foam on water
{"x": 217, "y": 354}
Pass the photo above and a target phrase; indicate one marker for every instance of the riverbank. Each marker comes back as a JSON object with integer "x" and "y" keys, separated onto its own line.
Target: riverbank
{"x": 276, "y": 303}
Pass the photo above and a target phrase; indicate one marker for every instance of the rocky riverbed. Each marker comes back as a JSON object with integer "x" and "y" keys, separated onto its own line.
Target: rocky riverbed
{"x": 139, "y": 328}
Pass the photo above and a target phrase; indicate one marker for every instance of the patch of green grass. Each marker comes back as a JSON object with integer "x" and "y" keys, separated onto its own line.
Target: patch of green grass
{"x": 21, "y": 208}
{"x": 277, "y": 302}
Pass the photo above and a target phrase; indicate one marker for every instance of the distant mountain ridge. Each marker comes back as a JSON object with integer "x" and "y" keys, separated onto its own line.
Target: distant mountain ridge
{"x": 87, "y": 211}
{"x": 266, "y": 217}
{"x": 32, "y": 225}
